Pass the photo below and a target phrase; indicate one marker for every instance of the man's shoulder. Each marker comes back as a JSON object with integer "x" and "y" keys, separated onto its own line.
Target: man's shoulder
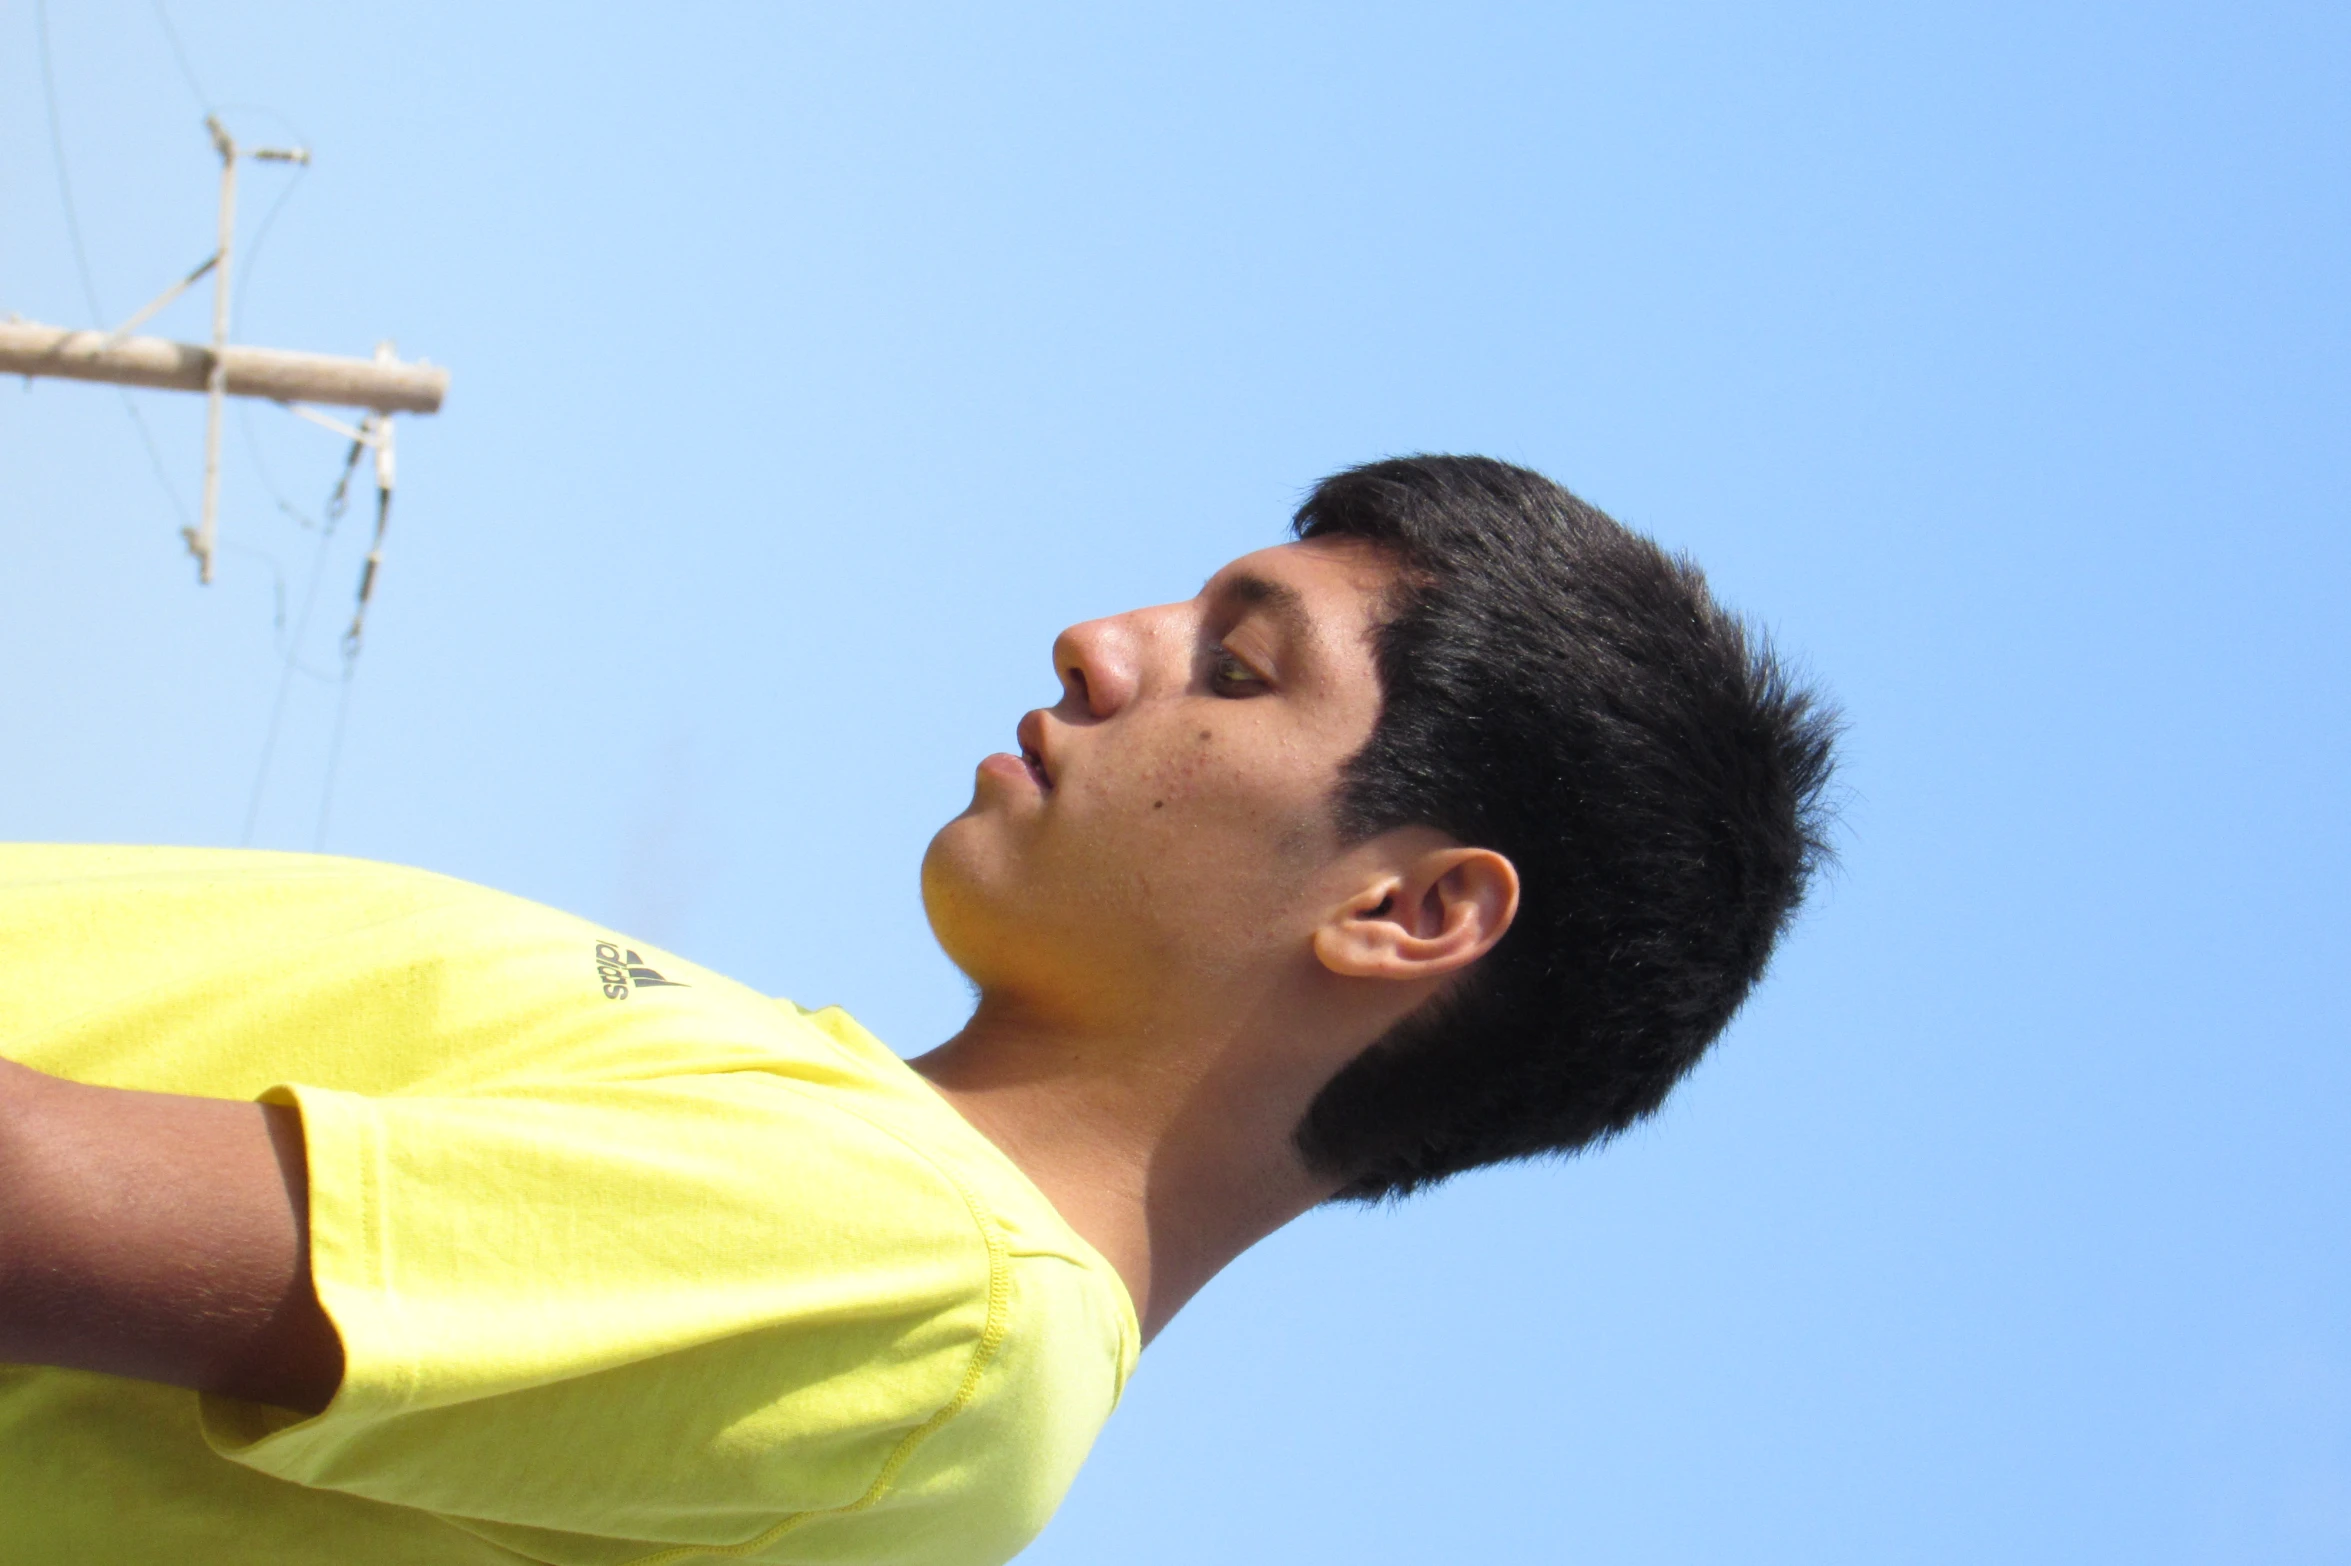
{"x": 226, "y": 972}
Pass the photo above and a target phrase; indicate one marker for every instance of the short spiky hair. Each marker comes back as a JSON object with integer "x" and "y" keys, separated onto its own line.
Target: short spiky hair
{"x": 1561, "y": 690}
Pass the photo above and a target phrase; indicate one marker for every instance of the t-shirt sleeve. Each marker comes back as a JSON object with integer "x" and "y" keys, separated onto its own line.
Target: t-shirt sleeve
{"x": 678, "y": 1311}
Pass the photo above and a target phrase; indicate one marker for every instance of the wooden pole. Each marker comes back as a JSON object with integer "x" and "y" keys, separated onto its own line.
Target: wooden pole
{"x": 216, "y": 381}
{"x": 382, "y": 384}
{"x": 30, "y": 349}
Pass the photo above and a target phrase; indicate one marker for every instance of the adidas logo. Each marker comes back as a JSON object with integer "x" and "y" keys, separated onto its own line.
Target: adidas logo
{"x": 620, "y": 970}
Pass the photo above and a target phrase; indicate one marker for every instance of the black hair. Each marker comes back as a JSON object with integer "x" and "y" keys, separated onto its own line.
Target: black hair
{"x": 1558, "y": 688}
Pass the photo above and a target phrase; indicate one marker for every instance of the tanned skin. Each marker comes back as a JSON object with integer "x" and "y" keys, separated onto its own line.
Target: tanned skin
{"x": 1173, "y": 948}
{"x": 161, "y": 1236}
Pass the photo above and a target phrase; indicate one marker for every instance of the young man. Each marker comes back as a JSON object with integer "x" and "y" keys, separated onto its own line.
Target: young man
{"x": 361, "y": 1215}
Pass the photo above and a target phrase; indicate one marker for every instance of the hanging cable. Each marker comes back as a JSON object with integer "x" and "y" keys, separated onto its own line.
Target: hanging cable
{"x": 179, "y": 52}
{"x": 261, "y": 235}
{"x": 386, "y": 472}
{"x": 73, "y": 220}
{"x": 336, "y": 502}
{"x": 374, "y": 432}
{"x": 326, "y": 793}
{"x": 81, "y": 258}
{"x": 375, "y": 546}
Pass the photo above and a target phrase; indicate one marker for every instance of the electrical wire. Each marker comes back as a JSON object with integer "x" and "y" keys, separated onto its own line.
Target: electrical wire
{"x": 171, "y": 491}
{"x": 289, "y": 648}
{"x": 277, "y": 584}
{"x": 73, "y": 221}
{"x": 326, "y": 793}
{"x": 81, "y": 257}
{"x": 253, "y": 252}
{"x": 352, "y": 638}
{"x": 179, "y": 52}
{"x": 293, "y": 665}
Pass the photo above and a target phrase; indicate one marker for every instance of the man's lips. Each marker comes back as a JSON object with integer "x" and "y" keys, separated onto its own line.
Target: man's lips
{"x": 1030, "y": 763}
{"x": 1031, "y": 735}
{"x": 1012, "y": 769}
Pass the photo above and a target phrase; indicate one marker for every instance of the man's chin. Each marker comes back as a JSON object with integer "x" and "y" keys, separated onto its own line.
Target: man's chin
{"x": 961, "y": 897}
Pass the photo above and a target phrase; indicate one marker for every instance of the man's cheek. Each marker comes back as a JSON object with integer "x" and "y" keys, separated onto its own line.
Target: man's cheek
{"x": 1155, "y": 795}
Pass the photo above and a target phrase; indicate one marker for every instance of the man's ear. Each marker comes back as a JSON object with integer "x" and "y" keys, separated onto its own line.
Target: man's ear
{"x": 1427, "y": 919}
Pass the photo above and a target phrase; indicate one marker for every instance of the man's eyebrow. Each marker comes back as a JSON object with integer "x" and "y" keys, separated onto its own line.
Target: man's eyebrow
{"x": 1279, "y": 599}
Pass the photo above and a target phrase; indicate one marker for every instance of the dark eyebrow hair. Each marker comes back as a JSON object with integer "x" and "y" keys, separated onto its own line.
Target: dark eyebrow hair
{"x": 1261, "y": 592}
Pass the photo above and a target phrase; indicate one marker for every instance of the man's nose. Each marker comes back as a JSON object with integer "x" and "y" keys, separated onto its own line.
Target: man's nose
{"x": 1100, "y": 664}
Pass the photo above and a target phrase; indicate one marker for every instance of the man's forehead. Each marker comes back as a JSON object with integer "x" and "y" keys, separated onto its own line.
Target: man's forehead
{"x": 1307, "y": 574}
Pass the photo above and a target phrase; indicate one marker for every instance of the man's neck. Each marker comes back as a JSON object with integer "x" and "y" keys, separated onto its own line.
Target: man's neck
{"x": 1171, "y": 1153}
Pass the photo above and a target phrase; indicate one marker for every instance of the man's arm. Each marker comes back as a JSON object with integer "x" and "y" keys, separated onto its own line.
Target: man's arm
{"x": 159, "y": 1236}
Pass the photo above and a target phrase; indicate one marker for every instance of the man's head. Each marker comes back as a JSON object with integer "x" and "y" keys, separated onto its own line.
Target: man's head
{"x": 1165, "y": 846}
{"x": 1561, "y": 690}
{"x": 1469, "y": 763}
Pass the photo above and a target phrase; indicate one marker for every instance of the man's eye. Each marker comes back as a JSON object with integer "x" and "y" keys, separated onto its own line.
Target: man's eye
{"x": 1229, "y": 676}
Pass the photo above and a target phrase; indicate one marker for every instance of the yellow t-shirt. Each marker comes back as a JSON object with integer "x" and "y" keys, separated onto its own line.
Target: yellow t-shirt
{"x": 630, "y": 1263}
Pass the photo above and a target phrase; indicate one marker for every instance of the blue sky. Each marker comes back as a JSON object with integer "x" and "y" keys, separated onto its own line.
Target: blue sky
{"x": 812, "y": 367}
